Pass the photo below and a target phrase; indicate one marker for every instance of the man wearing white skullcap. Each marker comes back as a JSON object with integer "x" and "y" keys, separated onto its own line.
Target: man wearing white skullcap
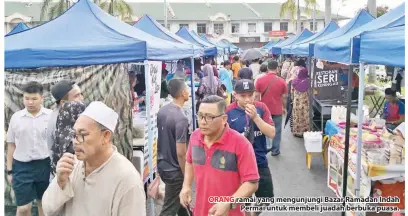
{"x": 102, "y": 182}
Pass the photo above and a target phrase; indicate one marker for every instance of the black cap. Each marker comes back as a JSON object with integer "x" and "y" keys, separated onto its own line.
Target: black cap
{"x": 61, "y": 89}
{"x": 244, "y": 85}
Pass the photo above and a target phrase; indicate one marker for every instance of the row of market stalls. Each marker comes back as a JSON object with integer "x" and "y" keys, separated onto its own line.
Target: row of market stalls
{"x": 357, "y": 162}
{"x": 95, "y": 49}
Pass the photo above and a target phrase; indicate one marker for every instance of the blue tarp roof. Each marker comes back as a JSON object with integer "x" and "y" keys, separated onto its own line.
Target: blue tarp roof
{"x": 221, "y": 49}
{"x": 269, "y": 45}
{"x": 87, "y": 35}
{"x": 287, "y": 48}
{"x": 303, "y": 48}
{"x": 363, "y": 17}
{"x": 384, "y": 46}
{"x": 19, "y": 28}
{"x": 210, "y": 50}
{"x": 343, "y": 50}
{"x": 232, "y": 48}
{"x": 152, "y": 27}
{"x": 277, "y": 49}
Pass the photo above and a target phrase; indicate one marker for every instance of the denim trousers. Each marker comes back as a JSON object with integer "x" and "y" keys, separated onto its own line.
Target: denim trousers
{"x": 274, "y": 144}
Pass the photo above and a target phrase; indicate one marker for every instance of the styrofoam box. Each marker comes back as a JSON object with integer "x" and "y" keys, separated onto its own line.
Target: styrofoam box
{"x": 313, "y": 143}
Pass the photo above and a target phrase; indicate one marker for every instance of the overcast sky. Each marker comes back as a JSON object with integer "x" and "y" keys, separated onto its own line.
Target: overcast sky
{"x": 349, "y": 8}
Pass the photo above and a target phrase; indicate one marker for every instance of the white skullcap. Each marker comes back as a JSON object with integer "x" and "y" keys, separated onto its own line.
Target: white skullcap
{"x": 102, "y": 114}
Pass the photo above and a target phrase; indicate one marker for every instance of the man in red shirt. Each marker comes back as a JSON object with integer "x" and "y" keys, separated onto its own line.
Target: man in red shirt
{"x": 272, "y": 90}
{"x": 221, "y": 161}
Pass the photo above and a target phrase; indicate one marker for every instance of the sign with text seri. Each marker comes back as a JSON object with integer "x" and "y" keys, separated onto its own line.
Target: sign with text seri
{"x": 327, "y": 83}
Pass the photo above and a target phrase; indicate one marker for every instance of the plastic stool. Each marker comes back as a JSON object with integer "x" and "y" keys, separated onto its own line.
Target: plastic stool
{"x": 309, "y": 155}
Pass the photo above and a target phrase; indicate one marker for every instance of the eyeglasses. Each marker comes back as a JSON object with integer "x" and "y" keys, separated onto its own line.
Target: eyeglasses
{"x": 81, "y": 137}
{"x": 207, "y": 118}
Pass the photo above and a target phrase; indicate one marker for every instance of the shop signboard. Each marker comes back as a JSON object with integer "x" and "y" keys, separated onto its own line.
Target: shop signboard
{"x": 250, "y": 39}
{"x": 153, "y": 85}
{"x": 327, "y": 83}
{"x": 277, "y": 33}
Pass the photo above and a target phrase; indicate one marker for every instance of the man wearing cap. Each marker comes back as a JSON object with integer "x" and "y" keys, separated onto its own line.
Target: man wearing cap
{"x": 62, "y": 92}
{"x": 253, "y": 120}
{"x": 68, "y": 98}
{"x": 102, "y": 182}
{"x": 28, "y": 158}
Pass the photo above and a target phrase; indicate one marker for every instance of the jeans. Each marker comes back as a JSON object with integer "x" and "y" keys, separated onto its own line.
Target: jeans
{"x": 274, "y": 145}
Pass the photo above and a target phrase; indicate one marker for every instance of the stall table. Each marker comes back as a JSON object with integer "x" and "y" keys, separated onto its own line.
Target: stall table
{"x": 323, "y": 107}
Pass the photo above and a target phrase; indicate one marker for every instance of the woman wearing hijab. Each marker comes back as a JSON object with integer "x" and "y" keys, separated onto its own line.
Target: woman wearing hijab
{"x": 209, "y": 85}
{"x": 300, "y": 121}
{"x": 226, "y": 80}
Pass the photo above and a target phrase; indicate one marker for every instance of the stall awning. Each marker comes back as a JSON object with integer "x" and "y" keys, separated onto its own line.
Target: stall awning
{"x": 384, "y": 47}
{"x": 277, "y": 48}
{"x": 152, "y": 27}
{"x": 19, "y": 28}
{"x": 346, "y": 49}
{"x": 302, "y": 48}
{"x": 87, "y": 35}
{"x": 362, "y": 18}
{"x": 209, "y": 50}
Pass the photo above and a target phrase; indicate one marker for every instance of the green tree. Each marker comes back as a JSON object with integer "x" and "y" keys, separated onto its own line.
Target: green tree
{"x": 114, "y": 7}
{"x": 292, "y": 7}
{"x": 381, "y": 10}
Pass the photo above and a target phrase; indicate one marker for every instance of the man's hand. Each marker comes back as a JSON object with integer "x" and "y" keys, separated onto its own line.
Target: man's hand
{"x": 185, "y": 197}
{"x": 64, "y": 168}
{"x": 284, "y": 112}
{"x": 10, "y": 178}
{"x": 220, "y": 209}
{"x": 250, "y": 110}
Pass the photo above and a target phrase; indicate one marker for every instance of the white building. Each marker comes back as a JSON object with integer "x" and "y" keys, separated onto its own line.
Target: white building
{"x": 245, "y": 24}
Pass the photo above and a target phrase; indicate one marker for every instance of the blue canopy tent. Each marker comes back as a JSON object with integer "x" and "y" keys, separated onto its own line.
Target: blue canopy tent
{"x": 287, "y": 48}
{"x": 102, "y": 39}
{"x": 152, "y": 27}
{"x": 221, "y": 48}
{"x": 346, "y": 49}
{"x": 277, "y": 48}
{"x": 377, "y": 48}
{"x": 19, "y": 28}
{"x": 209, "y": 50}
{"x": 232, "y": 48}
{"x": 360, "y": 19}
{"x": 269, "y": 45}
{"x": 303, "y": 48}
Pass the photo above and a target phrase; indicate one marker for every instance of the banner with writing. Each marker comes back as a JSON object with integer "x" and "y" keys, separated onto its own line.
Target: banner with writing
{"x": 327, "y": 83}
{"x": 153, "y": 87}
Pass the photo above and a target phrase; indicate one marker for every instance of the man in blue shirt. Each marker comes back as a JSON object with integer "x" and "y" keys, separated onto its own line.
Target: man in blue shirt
{"x": 253, "y": 120}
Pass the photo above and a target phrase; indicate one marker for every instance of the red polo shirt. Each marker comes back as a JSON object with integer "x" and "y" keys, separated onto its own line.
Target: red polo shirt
{"x": 221, "y": 169}
{"x": 273, "y": 96}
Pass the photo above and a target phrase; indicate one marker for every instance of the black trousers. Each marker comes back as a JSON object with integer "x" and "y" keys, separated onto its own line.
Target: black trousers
{"x": 174, "y": 184}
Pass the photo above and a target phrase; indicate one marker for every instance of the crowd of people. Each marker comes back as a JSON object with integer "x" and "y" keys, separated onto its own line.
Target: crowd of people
{"x": 64, "y": 158}
{"x": 240, "y": 110}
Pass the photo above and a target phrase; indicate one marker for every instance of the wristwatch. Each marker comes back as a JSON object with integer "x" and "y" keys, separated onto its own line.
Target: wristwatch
{"x": 9, "y": 172}
{"x": 233, "y": 206}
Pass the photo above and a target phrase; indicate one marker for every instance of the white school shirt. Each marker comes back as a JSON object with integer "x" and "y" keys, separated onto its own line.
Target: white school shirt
{"x": 29, "y": 134}
{"x": 113, "y": 189}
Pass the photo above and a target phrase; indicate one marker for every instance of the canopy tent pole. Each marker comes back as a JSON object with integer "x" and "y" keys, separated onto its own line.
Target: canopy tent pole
{"x": 193, "y": 94}
{"x": 360, "y": 115}
{"x": 311, "y": 90}
{"x": 347, "y": 137}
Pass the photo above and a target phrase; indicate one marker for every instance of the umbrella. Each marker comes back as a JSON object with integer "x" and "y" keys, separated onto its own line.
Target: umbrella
{"x": 252, "y": 54}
